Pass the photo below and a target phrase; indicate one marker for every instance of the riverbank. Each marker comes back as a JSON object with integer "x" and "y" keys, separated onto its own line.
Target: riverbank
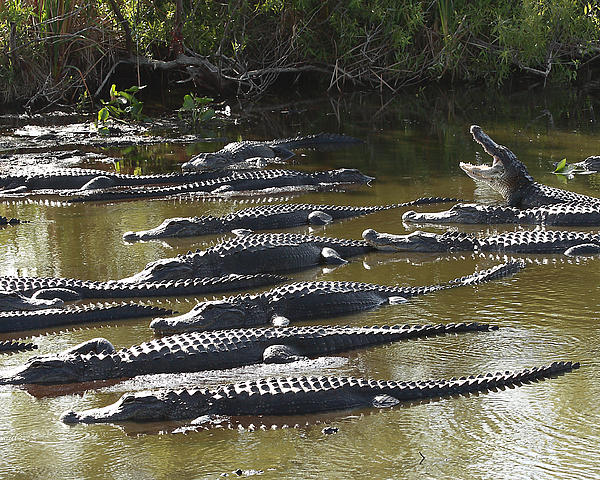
{"x": 67, "y": 52}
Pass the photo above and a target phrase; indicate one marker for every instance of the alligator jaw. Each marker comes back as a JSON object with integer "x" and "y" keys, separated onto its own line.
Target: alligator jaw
{"x": 205, "y": 316}
{"x": 413, "y": 242}
{"x": 447, "y": 216}
{"x": 163, "y": 269}
{"x": 484, "y": 173}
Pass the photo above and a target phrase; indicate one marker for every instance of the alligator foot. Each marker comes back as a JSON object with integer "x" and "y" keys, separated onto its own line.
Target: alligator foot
{"x": 281, "y": 354}
{"x": 63, "y": 294}
{"x": 583, "y": 249}
{"x": 319, "y": 218}
{"x": 331, "y": 257}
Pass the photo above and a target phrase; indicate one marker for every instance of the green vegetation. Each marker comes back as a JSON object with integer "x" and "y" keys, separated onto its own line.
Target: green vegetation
{"x": 122, "y": 105}
{"x": 66, "y": 50}
{"x": 195, "y": 110}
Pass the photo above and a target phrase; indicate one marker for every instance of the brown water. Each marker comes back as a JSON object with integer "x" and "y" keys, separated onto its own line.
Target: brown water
{"x": 413, "y": 145}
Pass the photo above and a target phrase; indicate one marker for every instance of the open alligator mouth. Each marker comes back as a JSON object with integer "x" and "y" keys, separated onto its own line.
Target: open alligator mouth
{"x": 483, "y": 172}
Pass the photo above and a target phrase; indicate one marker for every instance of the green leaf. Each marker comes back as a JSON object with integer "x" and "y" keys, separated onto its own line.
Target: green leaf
{"x": 203, "y": 100}
{"x": 103, "y": 115}
{"x": 188, "y": 103}
{"x": 561, "y": 165}
{"x": 207, "y": 115}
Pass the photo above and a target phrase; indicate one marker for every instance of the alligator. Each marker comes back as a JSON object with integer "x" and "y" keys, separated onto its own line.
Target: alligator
{"x": 299, "y": 395}
{"x": 528, "y": 241}
{"x": 69, "y": 289}
{"x": 265, "y": 217}
{"x": 17, "y": 321}
{"x": 253, "y": 253}
{"x": 509, "y": 176}
{"x": 198, "y": 351}
{"x": 78, "y": 178}
{"x": 560, "y": 214}
{"x": 237, "y": 152}
{"x": 10, "y": 221}
{"x": 13, "y": 300}
{"x": 12, "y": 346}
{"x": 307, "y": 300}
{"x": 251, "y": 180}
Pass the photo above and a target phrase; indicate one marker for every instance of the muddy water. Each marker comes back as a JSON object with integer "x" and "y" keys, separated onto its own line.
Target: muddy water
{"x": 413, "y": 145}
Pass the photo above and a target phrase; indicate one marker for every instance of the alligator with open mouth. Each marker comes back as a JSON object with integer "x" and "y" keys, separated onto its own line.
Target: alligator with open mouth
{"x": 266, "y": 217}
{"x": 237, "y": 152}
{"x": 560, "y": 214}
{"x": 247, "y": 181}
{"x": 307, "y": 300}
{"x": 17, "y": 321}
{"x": 69, "y": 289}
{"x": 299, "y": 395}
{"x": 509, "y": 176}
{"x": 524, "y": 241}
{"x": 97, "y": 359}
{"x": 253, "y": 253}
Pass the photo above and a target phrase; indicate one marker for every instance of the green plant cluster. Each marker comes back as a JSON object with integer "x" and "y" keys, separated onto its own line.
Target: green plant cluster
{"x": 64, "y": 47}
{"x": 123, "y": 106}
{"x": 195, "y": 110}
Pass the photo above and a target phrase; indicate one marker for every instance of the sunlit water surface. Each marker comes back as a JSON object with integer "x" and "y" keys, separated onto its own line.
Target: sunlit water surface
{"x": 413, "y": 144}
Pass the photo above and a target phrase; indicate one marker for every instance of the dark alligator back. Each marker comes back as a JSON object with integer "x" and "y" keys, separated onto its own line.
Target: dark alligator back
{"x": 239, "y": 181}
{"x": 536, "y": 241}
{"x": 116, "y": 289}
{"x": 274, "y": 252}
{"x": 74, "y": 178}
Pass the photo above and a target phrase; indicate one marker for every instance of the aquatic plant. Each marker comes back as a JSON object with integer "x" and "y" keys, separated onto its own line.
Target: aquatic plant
{"x": 121, "y": 105}
{"x": 195, "y": 110}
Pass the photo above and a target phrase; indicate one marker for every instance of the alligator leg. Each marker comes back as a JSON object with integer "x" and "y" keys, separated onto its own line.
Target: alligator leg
{"x": 95, "y": 345}
{"x": 282, "y": 152}
{"x": 64, "y": 294}
{"x": 583, "y": 249}
{"x": 242, "y": 232}
{"x": 281, "y": 354}
{"x": 331, "y": 257}
{"x": 280, "y": 321}
{"x": 101, "y": 181}
{"x": 384, "y": 401}
{"x": 319, "y": 218}
{"x": 397, "y": 300}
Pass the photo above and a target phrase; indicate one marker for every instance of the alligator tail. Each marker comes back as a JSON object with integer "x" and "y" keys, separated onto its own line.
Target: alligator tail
{"x": 12, "y": 346}
{"x": 316, "y": 140}
{"x": 425, "y": 201}
{"x": 493, "y": 273}
{"x": 471, "y": 384}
